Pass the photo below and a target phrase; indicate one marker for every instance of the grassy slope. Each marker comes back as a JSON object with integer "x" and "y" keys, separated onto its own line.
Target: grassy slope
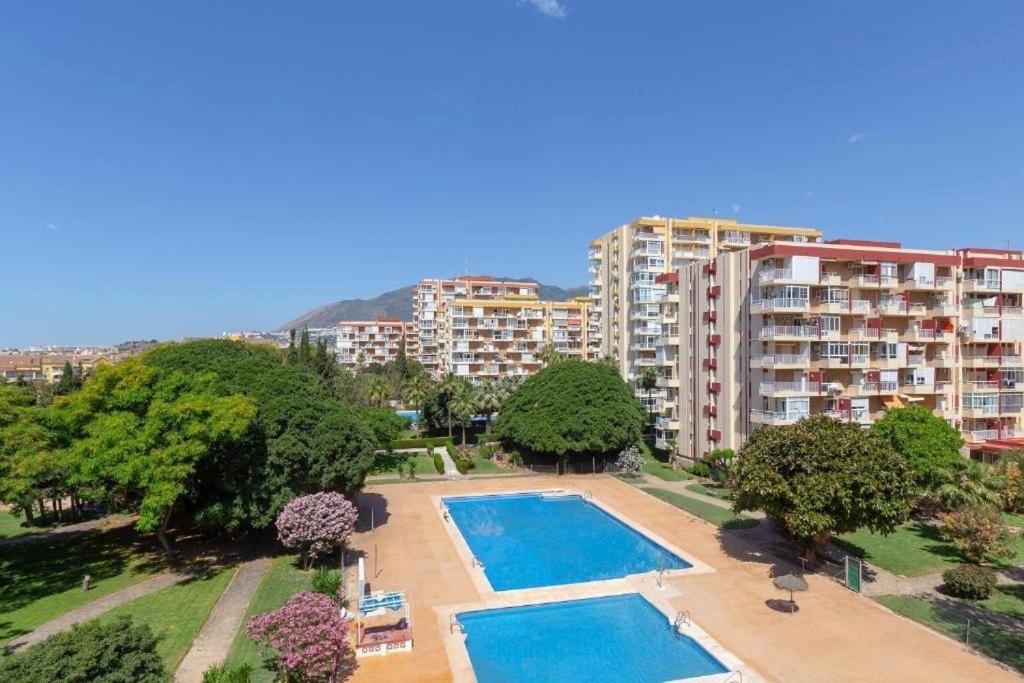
{"x": 281, "y": 581}
{"x": 656, "y": 464}
{"x": 718, "y": 516}
{"x": 913, "y": 549}
{"x": 710, "y": 490}
{"x": 176, "y": 613}
{"x": 1003, "y": 645}
{"x": 42, "y": 578}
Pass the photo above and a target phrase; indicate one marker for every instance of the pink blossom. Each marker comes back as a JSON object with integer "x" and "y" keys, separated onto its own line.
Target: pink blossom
{"x": 308, "y": 635}
{"x": 316, "y": 524}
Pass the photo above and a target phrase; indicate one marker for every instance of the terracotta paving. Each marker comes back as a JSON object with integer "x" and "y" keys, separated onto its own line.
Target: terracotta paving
{"x": 836, "y": 635}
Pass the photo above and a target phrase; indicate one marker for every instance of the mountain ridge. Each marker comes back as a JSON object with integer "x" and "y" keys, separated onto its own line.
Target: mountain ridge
{"x": 397, "y": 303}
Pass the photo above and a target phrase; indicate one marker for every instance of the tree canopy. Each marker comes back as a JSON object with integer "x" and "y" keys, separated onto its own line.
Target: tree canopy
{"x": 821, "y": 477}
{"x": 572, "y": 408}
{"x": 928, "y": 442}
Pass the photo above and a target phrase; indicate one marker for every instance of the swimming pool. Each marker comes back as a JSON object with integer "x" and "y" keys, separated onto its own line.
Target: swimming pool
{"x": 615, "y": 639}
{"x": 528, "y": 540}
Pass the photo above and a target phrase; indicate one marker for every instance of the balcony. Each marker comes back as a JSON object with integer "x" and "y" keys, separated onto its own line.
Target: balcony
{"x": 981, "y": 285}
{"x": 781, "y": 360}
{"x": 714, "y": 387}
{"x": 710, "y": 410}
{"x": 710, "y": 316}
{"x": 791, "y": 331}
{"x": 714, "y": 435}
{"x": 784, "y": 276}
{"x": 980, "y": 311}
{"x": 714, "y": 291}
{"x": 980, "y": 386}
{"x": 771, "y": 417}
{"x": 979, "y": 435}
{"x": 790, "y": 388}
{"x": 714, "y": 339}
{"x": 767, "y": 305}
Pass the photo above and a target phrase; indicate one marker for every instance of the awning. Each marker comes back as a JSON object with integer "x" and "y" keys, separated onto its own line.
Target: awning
{"x": 892, "y": 402}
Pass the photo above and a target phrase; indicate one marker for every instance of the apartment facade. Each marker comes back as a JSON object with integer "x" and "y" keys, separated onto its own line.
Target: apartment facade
{"x": 625, "y": 292}
{"x": 360, "y": 343}
{"x": 428, "y": 334}
{"x": 849, "y": 329}
{"x": 49, "y": 368}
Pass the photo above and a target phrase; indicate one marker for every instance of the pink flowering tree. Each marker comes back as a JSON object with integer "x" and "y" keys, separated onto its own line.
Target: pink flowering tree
{"x": 308, "y": 636}
{"x": 316, "y": 524}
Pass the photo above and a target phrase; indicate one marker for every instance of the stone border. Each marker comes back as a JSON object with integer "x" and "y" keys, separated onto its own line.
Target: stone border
{"x": 483, "y": 584}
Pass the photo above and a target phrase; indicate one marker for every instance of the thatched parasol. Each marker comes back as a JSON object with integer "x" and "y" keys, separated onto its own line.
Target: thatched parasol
{"x": 791, "y": 583}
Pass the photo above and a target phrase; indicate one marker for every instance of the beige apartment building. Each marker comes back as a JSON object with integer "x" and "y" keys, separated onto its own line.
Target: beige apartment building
{"x": 428, "y": 333}
{"x": 361, "y": 343}
{"x": 846, "y": 328}
{"x": 626, "y": 296}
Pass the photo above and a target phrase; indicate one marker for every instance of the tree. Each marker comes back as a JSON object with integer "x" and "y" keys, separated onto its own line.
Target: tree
{"x": 68, "y": 381}
{"x": 648, "y": 381}
{"x": 722, "y": 460}
{"x": 449, "y": 387}
{"x": 930, "y": 445}
{"x": 822, "y": 477}
{"x": 977, "y": 532}
{"x": 488, "y": 400}
{"x": 378, "y": 391}
{"x": 414, "y": 391}
{"x": 572, "y": 408}
{"x": 965, "y": 484}
{"x": 94, "y": 651}
{"x": 308, "y": 637}
{"x": 316, "y": 524}
{"x": 630, "y": 462}
{"x": 549, "y": 355}
{"x": 1009, "y": 472}
{"x": 462, "y": 407}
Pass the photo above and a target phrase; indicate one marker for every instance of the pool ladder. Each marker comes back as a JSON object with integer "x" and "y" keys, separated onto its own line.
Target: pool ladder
{"x": 477, "y": 563}
{"x": 455, "y": 625}
{"x": 588, "y": 495}
{"x": 682, "y": 619}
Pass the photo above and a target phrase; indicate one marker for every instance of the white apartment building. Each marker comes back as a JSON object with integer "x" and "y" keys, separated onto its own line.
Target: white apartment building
{"x": 360, "y": 343}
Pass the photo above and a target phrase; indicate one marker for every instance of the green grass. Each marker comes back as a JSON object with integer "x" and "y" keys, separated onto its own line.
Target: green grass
{"x": 656, "y": 463}
{"x": 710, "y": 490}
{"x": 11, "y": 525}
{"x": 719, "y": 516}
{"x": 175, "y": 613}
{"x": 913, "y": 549}
{"x": 482, "y": 465}
{"x": 42, "y": 578}
{"x": 1006, "y": 599}
{"x": 1013, "y": 518}
{"x": 282, "y": 580}
{"x": 1001, "y": 644}
{"x": 388, "y": 463}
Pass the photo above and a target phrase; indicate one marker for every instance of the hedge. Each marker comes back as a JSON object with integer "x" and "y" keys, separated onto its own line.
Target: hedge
{"x": 438, "y": 463}
{"x": 400, "y": 444}
{"x": 969, "y": 581}
{"x": 487, "y": 438}
{"x": 461, "y": 466}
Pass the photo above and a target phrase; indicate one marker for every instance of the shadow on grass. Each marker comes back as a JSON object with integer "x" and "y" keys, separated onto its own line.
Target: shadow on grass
{"x": 997, "y": 635}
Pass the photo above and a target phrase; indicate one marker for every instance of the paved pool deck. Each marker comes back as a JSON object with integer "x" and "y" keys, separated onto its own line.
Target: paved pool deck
{"x": 836, "y": 635}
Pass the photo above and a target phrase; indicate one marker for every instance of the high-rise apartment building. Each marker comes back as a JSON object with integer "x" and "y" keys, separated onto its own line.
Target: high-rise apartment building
{"x": 626, "y": 295}
{"x": 364, "y": 342}
{"x": 847, "y": 328}
{"x": 428, "y": 334}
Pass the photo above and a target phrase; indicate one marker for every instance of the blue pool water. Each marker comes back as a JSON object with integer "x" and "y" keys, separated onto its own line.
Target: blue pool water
{"x": 527, "y": 540}
{"x": 411, "y": 415}
{"x": 616, "y": 639}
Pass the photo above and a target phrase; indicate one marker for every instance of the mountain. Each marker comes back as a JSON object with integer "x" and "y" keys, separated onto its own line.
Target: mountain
{"x": 398, "y": 304}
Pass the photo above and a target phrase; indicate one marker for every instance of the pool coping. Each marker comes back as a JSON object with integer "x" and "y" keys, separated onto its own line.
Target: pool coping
{"x": 483, "y": 584}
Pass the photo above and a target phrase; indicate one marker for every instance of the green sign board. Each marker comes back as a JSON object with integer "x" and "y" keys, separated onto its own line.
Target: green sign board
{"x": 853, "y": 573}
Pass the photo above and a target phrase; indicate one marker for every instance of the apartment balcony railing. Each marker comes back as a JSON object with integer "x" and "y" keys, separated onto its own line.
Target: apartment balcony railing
{"x": 802, "y": 331}
{"x": 981, "y": 284}
{"x": 830, "y": 278}
{"x": 770, "y": 275}
{"x": 773, "y": 388}
{"x": 782, "y": 304}
{"x": 772, "y": 417}
{"x": 772, "y": 360}
{"x": 977, "y": 435}
{"x": 972, "y": 385}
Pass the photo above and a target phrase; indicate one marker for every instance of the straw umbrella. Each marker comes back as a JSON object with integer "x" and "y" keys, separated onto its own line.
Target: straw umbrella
{"x": 791, "y": 583}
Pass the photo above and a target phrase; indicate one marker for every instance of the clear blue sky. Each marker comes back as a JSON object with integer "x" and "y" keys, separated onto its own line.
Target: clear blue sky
{"x": 191, "y": 167}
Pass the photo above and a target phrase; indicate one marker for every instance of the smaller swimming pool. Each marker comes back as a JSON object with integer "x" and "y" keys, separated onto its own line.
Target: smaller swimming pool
{"x": 617, "y": 639}
{"x": 411, "y": 415}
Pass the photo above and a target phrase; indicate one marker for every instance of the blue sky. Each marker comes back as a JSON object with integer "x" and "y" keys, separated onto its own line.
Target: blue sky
{"x": 193, "y": 167}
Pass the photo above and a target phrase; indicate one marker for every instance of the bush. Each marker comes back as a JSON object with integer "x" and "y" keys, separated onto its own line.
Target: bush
{"x": 94, "y": 651}
{"x": 308, "y": 637}
{"x": 438, "y": 463}
{"x": 630, "y": 463}
{"x": 977, "y": 532}
{"x": 969, "y": 581}
{"x": 487, "y": 438}
{"x": 462, "y": 457}
{"x": 222, "y": 673}
{"x": 699, "y": 469}
{"x": 327, "y": 581}
{"x": 316, "y": 524}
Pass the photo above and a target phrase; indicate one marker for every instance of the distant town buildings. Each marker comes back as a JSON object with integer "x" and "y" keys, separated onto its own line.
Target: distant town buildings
{"x": 360, "y": 343}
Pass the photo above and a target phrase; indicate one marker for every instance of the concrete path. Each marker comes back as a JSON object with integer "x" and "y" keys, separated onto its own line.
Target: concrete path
{"x": 214, "y": 640}
{"x": 108, "y": 522}
{"x": 98, "y": 607}
{"x": 450, "y": 471}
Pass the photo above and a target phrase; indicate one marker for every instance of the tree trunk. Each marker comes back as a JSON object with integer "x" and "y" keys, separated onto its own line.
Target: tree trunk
{"x": 488, "y": 425}
{"x": 56, "y": 508}
{"x": 42, "y": 508}
{"x": 463, "y": 433}
{"x": 161, "y": 533}
{"x": 449, "y": 425}
{"x": 29, "y": 517}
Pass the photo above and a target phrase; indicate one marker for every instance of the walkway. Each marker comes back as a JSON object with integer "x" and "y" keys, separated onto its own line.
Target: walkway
{"x": 214, "y": 640}
{"x": 98, "y": 607}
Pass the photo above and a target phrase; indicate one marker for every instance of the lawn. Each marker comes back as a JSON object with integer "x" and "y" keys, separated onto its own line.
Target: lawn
{"x": 710, "y": 490}
{"x": 913, "y": 549}
{"x": 11, "y": 525}
{"x": 1006, "y": 599}
{"x": 1013, "y": 518}
{"x": 42, "y": 577}
{"x": 281, "y": 581}
{"x": 388, "y": 463}
{"x": 709, "y": 512}
{"x": 656, "y": 463}
{"x": 1001, "y": 644}
{"x": 176, "y": 613}
{"x": 482, "y": 465}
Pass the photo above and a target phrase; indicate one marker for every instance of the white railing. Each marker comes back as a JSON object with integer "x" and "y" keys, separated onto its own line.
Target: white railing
{"x": 981, "y": 434}
{"x": 776, "y": 417}
{"x": 981, "y": 283}
{"x": 943, "y": 281}
{"x": 980, "y": 386}
{"x": 789, "y": 331}
{"x": 796, "y": 387}
{"x": 830, "y": 278}
{"x": 783, "y": 304}
{"x": 769, "y": 360}
{"x": 861, "y": 305}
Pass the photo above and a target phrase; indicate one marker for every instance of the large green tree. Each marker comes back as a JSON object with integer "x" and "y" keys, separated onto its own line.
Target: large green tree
{"x": 930, "y": 445}
{"x": 572, "y": 408}
{"x": 822, "y": 477}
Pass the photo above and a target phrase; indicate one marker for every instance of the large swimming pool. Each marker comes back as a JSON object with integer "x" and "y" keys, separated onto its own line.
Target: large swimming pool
{"x": 527, "y": 540}
{"x": 616, "y": 639}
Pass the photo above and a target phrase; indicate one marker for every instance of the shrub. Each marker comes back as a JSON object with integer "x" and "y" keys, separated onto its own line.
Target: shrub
{"x": 327, "y": 581}
{"x": 222, "y": 673}
{"x": 977, "y": 532}
{"x": 416, "y": 443}
{"x": 461, "y": 456}
{"x": 700, "y": 469}
{"x": 630, "y": 463}
{"x": 94, "y": 651}
{"x": 487, "y": 438}
{"x": 316, "y": 524}
{"x": 438, "y": 463}
{"x": 308, "y": 636}
{"x": 969, "y": 581}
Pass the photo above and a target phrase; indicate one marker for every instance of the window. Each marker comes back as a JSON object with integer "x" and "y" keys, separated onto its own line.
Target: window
{"x": 830, "y": 323}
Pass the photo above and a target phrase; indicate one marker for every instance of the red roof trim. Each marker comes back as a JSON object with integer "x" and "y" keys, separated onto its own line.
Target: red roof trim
{"x": 994, "y": 261}
{"x": 851, "y": 254}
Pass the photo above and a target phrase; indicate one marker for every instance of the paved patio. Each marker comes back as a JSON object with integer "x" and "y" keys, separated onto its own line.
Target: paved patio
{"x": 836, "y": 635}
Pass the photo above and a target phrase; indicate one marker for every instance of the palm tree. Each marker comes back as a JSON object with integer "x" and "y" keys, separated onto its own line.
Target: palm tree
{"x": 378, "y": 391}
{"x": 449, "y": 386}
{"x": 968, "y": 484}
{"x": 463, "y": 405}
{"x": 414, "y": 391}
{"x": 648, "y": 380}
{"x": 489, "y": 399}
